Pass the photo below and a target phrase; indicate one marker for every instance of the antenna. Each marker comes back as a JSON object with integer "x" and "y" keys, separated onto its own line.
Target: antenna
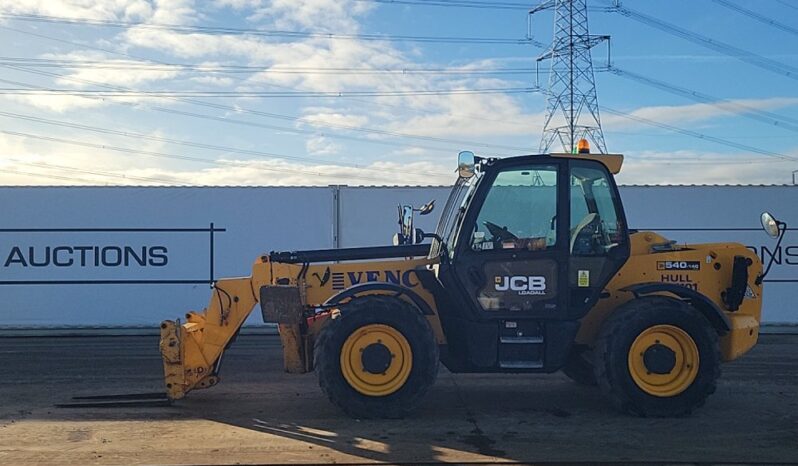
{"x": 572, "y": 111}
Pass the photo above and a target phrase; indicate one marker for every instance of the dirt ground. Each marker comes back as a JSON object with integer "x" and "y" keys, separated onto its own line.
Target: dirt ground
{"x": 258, "y": 414}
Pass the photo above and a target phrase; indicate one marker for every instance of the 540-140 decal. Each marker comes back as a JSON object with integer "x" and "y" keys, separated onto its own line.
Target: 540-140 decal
{"x": 678, "y": 265}
{"x": 681, "y": 279}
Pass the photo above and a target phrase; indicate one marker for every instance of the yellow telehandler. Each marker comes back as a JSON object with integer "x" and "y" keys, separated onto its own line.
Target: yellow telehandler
{"x": 532, "y": 268}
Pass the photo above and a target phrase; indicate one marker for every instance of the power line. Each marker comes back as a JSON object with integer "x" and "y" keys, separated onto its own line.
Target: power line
{"x": 129, "y": 151}
{"x": 456, "y": 3}
{"x": 757, "y": 16}
{"x": 751, "y": 58}
{"x": 250, "y": 69}
{"x": 101, "y": 173}
{"x": 468, "y": 4}
{"x": 701, "y": 136}
{"x": 653, "y": 160}
{"x": 787, "y": 4}
{"x": 238, "y": 109}
{"x": 253, "y": 112}
{"x": 781, "y": 121}
{"x": 180, "y": 142}
{"x": 262, "y": 94}
{"x": 264, "y": 33}
{"x": 47, "y": 175}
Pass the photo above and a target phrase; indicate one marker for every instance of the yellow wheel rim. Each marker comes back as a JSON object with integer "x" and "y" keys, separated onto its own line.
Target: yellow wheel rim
{"x": 376, "y": 360}
{"x": 663, "y": 360}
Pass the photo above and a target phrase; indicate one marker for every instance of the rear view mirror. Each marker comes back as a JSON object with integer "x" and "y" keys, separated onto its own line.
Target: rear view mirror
{"x": 465, "y": 164}
{"x": 770, "y": 224}
{"x": 406, "y": 221}
{"x": 427, "y": 208}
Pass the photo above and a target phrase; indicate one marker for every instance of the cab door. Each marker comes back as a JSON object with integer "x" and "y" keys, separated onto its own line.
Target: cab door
{"x": 512, "y": 253}
{"x": 541, "y": 239}
{"x": 598, "y": 243}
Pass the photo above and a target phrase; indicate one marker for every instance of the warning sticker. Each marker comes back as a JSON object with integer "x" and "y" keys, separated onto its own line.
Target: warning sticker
{"x": 584, "y": 279}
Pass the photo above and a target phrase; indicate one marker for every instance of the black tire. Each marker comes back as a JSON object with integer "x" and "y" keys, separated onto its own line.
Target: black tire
{"x": 579, "y": 366}
{"x": 376, "y": 309}
{"x": 615, "y": 340}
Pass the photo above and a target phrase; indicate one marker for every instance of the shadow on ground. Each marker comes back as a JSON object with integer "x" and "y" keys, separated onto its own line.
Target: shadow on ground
{"x": 260, "y": 414}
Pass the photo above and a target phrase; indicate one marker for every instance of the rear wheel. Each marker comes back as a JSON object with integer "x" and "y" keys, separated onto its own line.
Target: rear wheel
{"x": 657, "y": 356}
{"x": 378, "y": 359}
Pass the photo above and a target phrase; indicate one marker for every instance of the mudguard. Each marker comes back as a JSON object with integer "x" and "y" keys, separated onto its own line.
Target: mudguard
{"x": 719, "y": 320}
{"x": 393, "y": 288}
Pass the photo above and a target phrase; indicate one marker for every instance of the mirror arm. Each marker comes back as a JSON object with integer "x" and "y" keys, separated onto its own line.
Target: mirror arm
{"x": 782, "y": 230}
{"x": 433, "y": 236}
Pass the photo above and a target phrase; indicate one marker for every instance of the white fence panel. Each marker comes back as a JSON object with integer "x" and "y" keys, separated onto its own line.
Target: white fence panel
{"x": 62, "y": 267}
{"x": 75, "y": 276}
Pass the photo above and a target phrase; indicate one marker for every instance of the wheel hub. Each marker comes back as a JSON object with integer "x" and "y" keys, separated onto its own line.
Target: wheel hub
{"x": 659, "y": 359}
{"x": 376, "y": 358}
{"x": 663, "y": 360}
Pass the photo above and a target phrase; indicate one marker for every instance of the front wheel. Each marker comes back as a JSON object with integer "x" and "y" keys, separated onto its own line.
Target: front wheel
{"x": 377, "y": 359}
{"x": 657, "y": 356}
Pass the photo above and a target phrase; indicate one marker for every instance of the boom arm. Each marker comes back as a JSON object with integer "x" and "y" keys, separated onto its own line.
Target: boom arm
{"x": 192, "y": 351}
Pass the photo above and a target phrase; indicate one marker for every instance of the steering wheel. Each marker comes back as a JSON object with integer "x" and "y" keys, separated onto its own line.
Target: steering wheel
{"x": 499, "y": 233}
{"x": 583, "y": 224}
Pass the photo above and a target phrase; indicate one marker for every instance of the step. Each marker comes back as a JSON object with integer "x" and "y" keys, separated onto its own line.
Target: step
{"x": 521, "y": 340}
{"x": 521, "y": 364}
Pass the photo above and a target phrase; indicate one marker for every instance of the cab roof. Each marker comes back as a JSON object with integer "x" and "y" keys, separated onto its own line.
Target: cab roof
{"x": 613, "y": 162}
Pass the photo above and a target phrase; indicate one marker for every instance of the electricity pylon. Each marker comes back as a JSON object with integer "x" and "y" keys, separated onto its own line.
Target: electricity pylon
{"x": 572, "y": 110}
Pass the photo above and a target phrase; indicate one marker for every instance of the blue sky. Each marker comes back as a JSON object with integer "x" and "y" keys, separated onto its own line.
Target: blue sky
{"x": 408, "y": 139}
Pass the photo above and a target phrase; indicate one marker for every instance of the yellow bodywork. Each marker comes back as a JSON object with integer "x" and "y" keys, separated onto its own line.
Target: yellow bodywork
{"x": 711, "y": 280}
{"x": 192, "y": 350}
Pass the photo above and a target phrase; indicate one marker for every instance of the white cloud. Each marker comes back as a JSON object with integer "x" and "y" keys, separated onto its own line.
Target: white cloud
{"x": 212, "y": 80}
{"x": 320, "y": 145}
{"x": 127, "y": 10}
{"x": 691, "y": 113}
{"x": 491, "y": 117}
{"x": 315, "y": 116}
{"x": 694, "y": 167}
{"x": 56, "y": 103}
{"x": 472, "y": 115}
{"x": 327, "y": 15}
{"x": 114, "y": 77}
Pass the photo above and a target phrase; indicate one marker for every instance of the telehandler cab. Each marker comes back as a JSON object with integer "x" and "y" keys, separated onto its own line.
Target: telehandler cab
{"x": 532, "y": 268}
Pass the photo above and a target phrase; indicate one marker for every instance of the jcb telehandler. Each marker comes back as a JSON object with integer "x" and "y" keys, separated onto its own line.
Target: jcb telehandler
{"x": 532, "y": 268}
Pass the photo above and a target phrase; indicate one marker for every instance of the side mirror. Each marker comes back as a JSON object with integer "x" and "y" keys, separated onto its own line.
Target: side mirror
{"x": 465, "y": 164}
{"x": 427, "y": 208}
{"x": 770, "y": 225}
{"x": 775, "y": 229}
{"x": 406, "y": 221}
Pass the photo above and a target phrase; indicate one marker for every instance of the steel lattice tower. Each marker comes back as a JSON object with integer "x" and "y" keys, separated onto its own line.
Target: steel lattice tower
{"x": 572, "y": 111}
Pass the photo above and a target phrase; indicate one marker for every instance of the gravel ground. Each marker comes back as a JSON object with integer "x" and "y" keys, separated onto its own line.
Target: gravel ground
{"x": 258, "y": 414}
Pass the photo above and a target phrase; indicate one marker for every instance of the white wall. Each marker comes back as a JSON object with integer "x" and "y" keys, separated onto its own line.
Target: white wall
{"x": 258, "y": 220}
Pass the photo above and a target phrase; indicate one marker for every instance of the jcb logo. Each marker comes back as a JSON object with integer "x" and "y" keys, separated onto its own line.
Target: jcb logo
{"x": 522, "y": 284}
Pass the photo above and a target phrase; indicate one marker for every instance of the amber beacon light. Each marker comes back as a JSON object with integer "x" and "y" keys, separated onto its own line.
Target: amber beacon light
{"x": 583, "y": 147}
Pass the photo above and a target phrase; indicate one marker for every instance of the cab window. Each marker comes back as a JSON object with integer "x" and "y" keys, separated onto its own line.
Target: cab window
{"x": 595, "y": 226}
{"x": 519, "y": 211}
